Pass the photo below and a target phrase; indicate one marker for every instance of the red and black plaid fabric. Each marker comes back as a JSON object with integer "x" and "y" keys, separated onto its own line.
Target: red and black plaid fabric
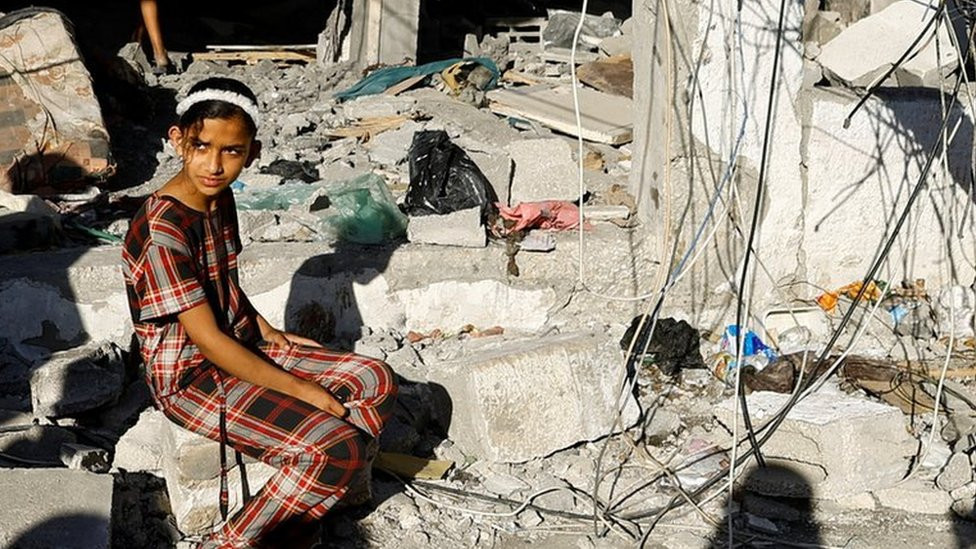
{"x": 316, "y": 453}
{"x": 175, "y": 258}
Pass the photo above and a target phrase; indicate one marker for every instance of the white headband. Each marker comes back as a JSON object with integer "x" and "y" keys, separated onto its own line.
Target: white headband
{"x": 248, "y": 106}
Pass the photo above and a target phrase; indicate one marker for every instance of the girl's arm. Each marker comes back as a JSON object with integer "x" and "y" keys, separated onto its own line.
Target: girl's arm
{"x": 237, "y": 360}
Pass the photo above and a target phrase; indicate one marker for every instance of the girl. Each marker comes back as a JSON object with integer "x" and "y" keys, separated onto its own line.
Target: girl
{"x": 215, "y": 366}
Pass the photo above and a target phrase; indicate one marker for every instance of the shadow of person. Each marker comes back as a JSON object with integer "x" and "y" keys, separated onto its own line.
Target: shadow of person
{"x": 964, "y": 532}
{"x": 334, "y": 300}
{"x": 772, "y": 503}
{"x": 70, "y": 531}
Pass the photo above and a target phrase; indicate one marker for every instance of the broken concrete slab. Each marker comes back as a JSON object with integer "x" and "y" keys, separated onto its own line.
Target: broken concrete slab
{"x": 957, "y": 473}
{"x": 604, "y": 118}
{"x": 28, "y": 203}
{"x": 839, "y": 444}
{"x": 391, "y": 147}
{"x": 140, "y": 449}
{"x": 528, "y": 398}
{"x": 882, "y": 38}
{"x": 44, "y": 508}
{"x": 544, "y": 170}
{"x": 916, "y": 496}
{"x": 191, "y": 467}
{"x": 462, "y": 228}
{"x": 76, "y": 381}
{"x": 496, "y": 166}
{"x": 36, "y": 445}
{"x": 617, "y": 45}
{"x": 376, "y": 106}
{"x": 823, "y": 27}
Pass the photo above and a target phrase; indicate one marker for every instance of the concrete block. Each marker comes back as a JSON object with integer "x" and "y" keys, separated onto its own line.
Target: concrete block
{"x": 44, "y": 508}
{"x": 544, "y": 170}
{"x": 497, "y": 168}
{"x": 525, "y": 399}
{"x": 191, "y": 467}
{"x": 838, "y": 444}
{"x": 39, "y": 444}
{"x": 195, "y": 504}
{"x": 957, "y": 473}
{"x": 28, "y": 203}
{"x": 375, "y": 106}
{"x": 917, "y": 497}
{"x": 141, "y": 447}
{"x": 391, "y": 147}
{"x": 76, "y": 381}
{"x": 461, "y": 228}
{"x": 880, "y": 39}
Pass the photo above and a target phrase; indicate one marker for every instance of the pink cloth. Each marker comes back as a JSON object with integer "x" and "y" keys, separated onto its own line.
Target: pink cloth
{"x": 550, "y": 214}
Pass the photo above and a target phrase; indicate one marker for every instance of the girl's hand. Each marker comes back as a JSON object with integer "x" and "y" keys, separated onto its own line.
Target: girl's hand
{"x": 287, "y": 339}
{"x": 323, "y": 400}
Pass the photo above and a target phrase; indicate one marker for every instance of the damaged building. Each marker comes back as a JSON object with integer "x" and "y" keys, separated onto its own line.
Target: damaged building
{"x": 668, "y": 274}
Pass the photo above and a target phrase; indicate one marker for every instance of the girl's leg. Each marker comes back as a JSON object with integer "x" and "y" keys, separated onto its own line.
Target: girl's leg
{"x": 316, "y": 453}
{"x": 366, "y": 386}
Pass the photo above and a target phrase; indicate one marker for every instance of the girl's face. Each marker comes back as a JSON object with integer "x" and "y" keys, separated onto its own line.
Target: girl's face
{"x": 214, "y": 156}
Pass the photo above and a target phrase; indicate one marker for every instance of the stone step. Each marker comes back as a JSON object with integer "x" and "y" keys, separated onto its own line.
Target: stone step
{"x": 55, "y": 508}
{"x": 529, "y": 398}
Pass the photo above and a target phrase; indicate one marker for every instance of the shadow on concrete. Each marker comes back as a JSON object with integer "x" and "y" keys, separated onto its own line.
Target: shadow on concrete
{"x": 322, "y": 305}
{"x": 74, "y": 531}
{"x": 768, "y": 520}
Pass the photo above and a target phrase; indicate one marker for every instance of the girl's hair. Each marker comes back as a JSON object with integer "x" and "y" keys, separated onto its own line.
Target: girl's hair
{"x": 194, "y": 116}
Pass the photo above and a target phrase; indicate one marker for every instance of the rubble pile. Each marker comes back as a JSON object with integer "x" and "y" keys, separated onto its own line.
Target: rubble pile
{"x": 422, "y": 216}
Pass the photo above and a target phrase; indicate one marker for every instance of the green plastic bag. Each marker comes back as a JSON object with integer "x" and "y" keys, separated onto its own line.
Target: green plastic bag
{"x": 282, "y": 197}
{"x": 363, "y": 211}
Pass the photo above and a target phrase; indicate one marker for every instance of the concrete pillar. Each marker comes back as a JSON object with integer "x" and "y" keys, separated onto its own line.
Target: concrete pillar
{"x": 379, "y": 31}
{"x": 650, "y": 153}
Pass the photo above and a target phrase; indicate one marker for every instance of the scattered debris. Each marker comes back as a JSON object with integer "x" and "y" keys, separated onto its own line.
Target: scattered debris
{"x": 673, "y": 347}
{"x": 614, "y": 75}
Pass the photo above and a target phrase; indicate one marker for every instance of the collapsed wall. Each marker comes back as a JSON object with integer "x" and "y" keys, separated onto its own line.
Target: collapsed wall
{"x": 832, "y": 194}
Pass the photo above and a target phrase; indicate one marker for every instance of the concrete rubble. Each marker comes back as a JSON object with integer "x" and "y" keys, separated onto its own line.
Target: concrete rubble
{"x": 880, "y": 39}
{"x": 512, "y": 350}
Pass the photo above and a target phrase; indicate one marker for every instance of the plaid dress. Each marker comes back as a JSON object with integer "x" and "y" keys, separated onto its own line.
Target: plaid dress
{"x": 176, "y": 258}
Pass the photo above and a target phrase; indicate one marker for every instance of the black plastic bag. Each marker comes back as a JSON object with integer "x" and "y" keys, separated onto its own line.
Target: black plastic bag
{"x": 443, "y": 178}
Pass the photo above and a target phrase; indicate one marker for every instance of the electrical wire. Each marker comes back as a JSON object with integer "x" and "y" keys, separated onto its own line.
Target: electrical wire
{"x": 777, "y": 420}
{"x": 740, "y": 327}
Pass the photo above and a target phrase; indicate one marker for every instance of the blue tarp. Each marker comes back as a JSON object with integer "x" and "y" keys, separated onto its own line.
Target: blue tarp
{"x": 382, "y": 79}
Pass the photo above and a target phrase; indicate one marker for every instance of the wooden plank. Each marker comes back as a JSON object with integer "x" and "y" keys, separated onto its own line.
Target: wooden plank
{"x": 397, "y": 89}
{"x": 411, "y": 467}
{"x": 248, "y": 47}
{"x": 614, "y": 75}
{"x": 254, "y": 56}
{"x": 605, "y": 118}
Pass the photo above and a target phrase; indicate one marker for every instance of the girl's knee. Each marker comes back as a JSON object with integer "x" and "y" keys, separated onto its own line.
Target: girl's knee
{"x": 344, "y": 459}
{"x": 385, "y": 378}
